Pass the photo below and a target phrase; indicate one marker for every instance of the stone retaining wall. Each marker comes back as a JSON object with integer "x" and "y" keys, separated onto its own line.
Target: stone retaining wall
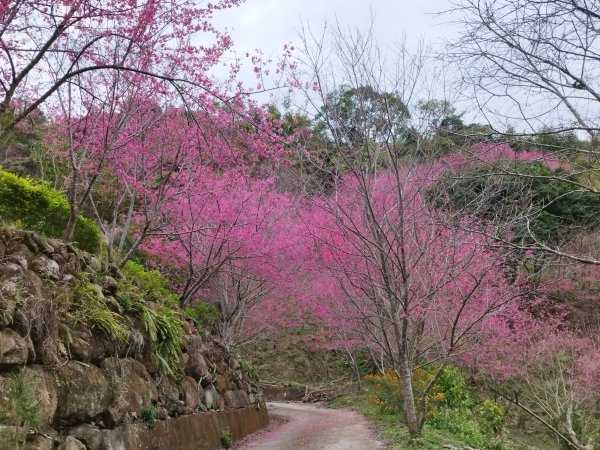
{"x": 192, "y": 432}
{"x": 88, "y": 386}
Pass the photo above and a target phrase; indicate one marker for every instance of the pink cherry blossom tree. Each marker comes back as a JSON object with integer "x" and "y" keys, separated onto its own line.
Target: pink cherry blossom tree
{"x": 49, "y": 45}
{"x": 408, "y": 279}
{"x": 420, "y": 285}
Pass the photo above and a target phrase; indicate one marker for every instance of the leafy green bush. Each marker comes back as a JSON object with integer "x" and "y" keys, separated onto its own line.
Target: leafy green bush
{"x": 36, "y": 206}
{"x": 451, "y": 407}
{"x": 226, "y": 439}
{"x": 148, "y": 416}
{"x": 490, "y": 416}
{"x": 387, "y": 391}
{"x": 153, "y": 284}
{"x": 460, "y": 424}
{"x": 202, "y": 313}
{"x": 559, "y": 205}
{"x": 453, "y": 387}
{"x": 450, "y": 391}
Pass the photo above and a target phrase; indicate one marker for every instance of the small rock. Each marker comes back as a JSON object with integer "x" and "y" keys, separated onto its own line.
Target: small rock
{"x": 184, "y": 411}
{"x": 114, "y": 271}
{"x": 110, "y": 285}
{"x": 13, "y": 348}
{"x": 21, "y": 322}
{"x": 191, "y": 393}
{"x": 60, "y": 260}
{"x": 162, "y": 414}
{"x": 31, "y": 243}
{"x": 7, "y": 309}
{"x": 89, "y": 435}
{"x": 47, "y": 352}
{"x": 33, "y": 284}
{"x": 57, "y": 245}
{"x": 196, "y": 366}
{"x": 30, "y": 350}
{"x": 10, "y": 269}
{"x": 168, "y": 395}
{"x": 223, "y": 383}
{"x": 46, "y": 392}
{"x": 139, "y": 389}
{"x": 19, "y": 259}
{"x": 47, "y": 268}
{"x": 89, "y": 393}
{"x": 40, "y": 442}
{"x": 72, "y": 443}
{"x": 237, "y": 399}
{"x": 212, "y": 399}
{"x": 68, "y": 278}
{"x": 113, "y": 305}
{"x": 95, "y": 264}
{"x": 112, "y": 417}
{"x": 47, "y": 248}
{"x": 87, "y": 346}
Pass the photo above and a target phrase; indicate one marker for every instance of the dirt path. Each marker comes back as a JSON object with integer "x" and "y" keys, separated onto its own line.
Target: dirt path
{"x": 298, "y": 426}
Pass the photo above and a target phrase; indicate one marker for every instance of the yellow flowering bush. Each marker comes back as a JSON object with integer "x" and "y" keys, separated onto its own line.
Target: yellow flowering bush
{"x": 449, "y": 391}
{"x": 387, "y": 389}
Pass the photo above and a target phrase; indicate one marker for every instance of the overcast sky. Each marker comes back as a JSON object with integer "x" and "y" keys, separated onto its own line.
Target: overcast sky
{"x": 269, "y": 24}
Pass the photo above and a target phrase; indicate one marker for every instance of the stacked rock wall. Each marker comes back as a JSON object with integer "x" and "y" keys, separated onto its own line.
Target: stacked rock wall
{"x": 95, "y": 392}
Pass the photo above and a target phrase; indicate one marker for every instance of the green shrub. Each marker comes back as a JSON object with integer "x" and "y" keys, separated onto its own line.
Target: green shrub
{"x": 460, "y": 425}
{"x": 226, "y": 439}
{"x": 387, "y": 391}
{"x": 451, "y": 407}
{"x": 453, "y": 387}
{"x": 148, "y": 416}
{"x": 36, "y": 206}
{"x": 202, "y": 313}
{"x": 151, "y": 282}
{"x": 449, "y": 391}
{"x": 490, "y": 416}
{"x": 560, "y": 206}
{"x": 162, "y": 322}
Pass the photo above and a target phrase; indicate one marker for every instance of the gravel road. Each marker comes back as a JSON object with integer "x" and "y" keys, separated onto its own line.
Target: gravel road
{"x": 300, "y": 426}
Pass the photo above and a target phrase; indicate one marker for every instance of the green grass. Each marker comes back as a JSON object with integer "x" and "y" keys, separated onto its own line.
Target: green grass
{"x": 391, "y": 430}
{"x": 19, "y": 408}
{"x": 145, "y": 294}
{"x": 90, "y": 308}
{"x": 389, "y": 426}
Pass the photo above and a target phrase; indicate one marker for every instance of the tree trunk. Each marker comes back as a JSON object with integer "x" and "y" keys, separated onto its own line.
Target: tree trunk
{"x": 410, "y": 410}
{"x": 70, "y": 228}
